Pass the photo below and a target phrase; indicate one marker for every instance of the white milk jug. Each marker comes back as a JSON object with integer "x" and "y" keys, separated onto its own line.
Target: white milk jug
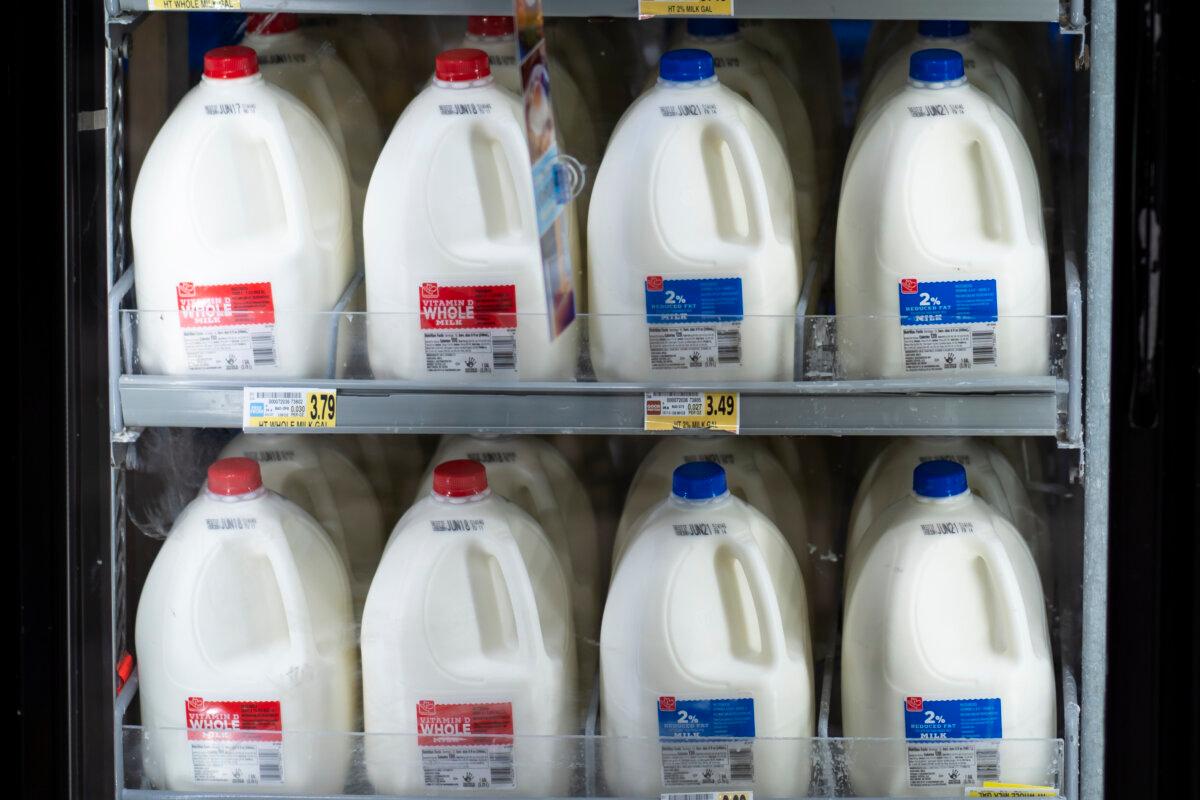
{"x": 373, "y": 55}
{"x": 466, "y": 643}
{"x": 984, "y": 69}
{"x": 705, "y": 637}
{"x": 531, "y": 473}
{"x": 755, "y": 75}
{"x": 946, "y": 638}
{"x": 316, "y": 75}
{"x": 454, "y": 264}
{"x": 394, "y": 464}
{"x": 941, "y": 263}
{"x": 315, "y": 475}
{"x": 245, "y": 646}
{"x": 989, "y": 473}
{"x": 693, "y": 254}
{"x": 236, "y": 282}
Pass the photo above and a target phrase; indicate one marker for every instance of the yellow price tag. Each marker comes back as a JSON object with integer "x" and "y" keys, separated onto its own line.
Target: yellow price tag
{"x": 685, "y": 8}
{"x": 275, "y": 407}
{"x": 673, "y": 411}
{"x": 193, "y": 5}
{"x": 997, "y": 789}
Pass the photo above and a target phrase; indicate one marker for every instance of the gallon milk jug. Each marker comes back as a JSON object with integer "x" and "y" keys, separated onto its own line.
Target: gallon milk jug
{"x": 754, "y": 74}
{"x": 466, "y": 643}
{"x": 315, "y": 75}
{"x": 989, "y": 473}
{"x": 693, "y": 253}
{"x": 245, "y": 646}
{"x": 233, "y": 286}
{"x": 312, "y": 473}
{"x": 704, "y": 646}
{"x": 941, "y": 262}
{"x": 530, "y": 472}
{"x": 946, "y": 638}
{"x": 373, "y": 55}
{"x": 984, "y": 69}
{"x": 454, "y": 264}
{"x": 393, "y": 464}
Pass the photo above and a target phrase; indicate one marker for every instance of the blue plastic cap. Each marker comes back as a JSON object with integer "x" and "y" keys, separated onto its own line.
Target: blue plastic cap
{"x": 939, "y": 479}
{"x": 936, "y": 66}
{"x": 943, "y": 28}
{"x": 699, "y": 480}
{"x": 686, "y": 66}
{"x": 712, "y": 27}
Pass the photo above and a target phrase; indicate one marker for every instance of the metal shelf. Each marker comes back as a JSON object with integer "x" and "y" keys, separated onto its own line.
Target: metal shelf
{"x": 991, "y": 407}
{"x": 1000, "y": 10}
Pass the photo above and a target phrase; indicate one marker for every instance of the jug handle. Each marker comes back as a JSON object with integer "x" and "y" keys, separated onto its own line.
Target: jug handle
{"x": 1008, "y": 593}
{"x": 516, "y": 151}
{"x": 545, "y": 499}
{"x": 1012, "y": 210}
{"x": 766, "y": 601}
{"x": 752, "y": 180}
{"x": 326, "y": 508}
{"x": 520, "y": 594}
{"x": 301, "y": 638}
{"x": 287, "y": 170}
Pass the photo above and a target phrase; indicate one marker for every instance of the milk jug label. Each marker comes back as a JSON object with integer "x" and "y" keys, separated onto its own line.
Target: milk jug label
{"x": 934, "y": 760}
{"x": 235, "y": 741}
{"x": 229, "y": 326}
{"x": 466, "y": 745}
{"x": 694, "y": 323}
{"x": 948, "y": 325}
{"x": 469, "y": 330}
{"x": 706, "y": 742}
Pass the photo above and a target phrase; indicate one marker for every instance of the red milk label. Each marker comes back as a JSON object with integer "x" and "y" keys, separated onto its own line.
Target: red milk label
{"x": 245, "y": 720}
{"x": 450, "y": 307}
{"x": 215, "y": 305}
{"x": 444, "y": 724}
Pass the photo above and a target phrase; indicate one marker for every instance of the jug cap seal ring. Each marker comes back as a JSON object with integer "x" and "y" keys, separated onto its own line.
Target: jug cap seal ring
{"x": 699, "y": 480}
{"x": 459, "y": 478}
{"x": 234, "y": 476}
{"x": 462, "y": 64}
{"x": 686, "y": 66}
{"x": 712, "y": 28}
{"x": 227, "y": 63}
{"x": 943, "y": 28}
{"x": 936, "y": 65}
{"x": 493, "y": 25}
{"x": 269, "y": 24}
{"x": 941, "y": 478}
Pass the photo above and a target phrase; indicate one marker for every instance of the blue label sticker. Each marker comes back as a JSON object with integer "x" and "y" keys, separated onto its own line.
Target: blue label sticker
{"x": 257, "y": 409}
{"x": 952, "y": 719}
{"x": 947, "y": 302}
{"x": 725, "y": 719}
{"x": 671, "y": 301}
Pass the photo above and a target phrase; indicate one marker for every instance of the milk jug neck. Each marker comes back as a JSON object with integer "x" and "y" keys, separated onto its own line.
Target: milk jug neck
{"x": 686, "y": 69}
{"x": 941, "y": 482}
{"x": 936, "y": 68}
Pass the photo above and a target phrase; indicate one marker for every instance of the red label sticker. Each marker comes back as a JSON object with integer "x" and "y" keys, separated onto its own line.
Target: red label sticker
{"x": 654, "y": 408}
{"x": 245, "y": 720}
{"x": 913, "y": 704}
{"x": 654, "y": 283}
{"x": 225, "y": 304}
{"x": 666, "y": 704}
{"x": 441, "y": 724}
{"x": 448, "y": 307}
{"x": 909, "y": 285}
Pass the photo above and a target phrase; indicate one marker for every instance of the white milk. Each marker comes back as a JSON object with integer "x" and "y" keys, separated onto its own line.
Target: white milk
{"x": 314, "y": 474}
{"x": 989, "y": 473}
{"x": 265, "y": 242}
{"x": 946, "y": 638}
{"x": 693, "y": 230}
{"x": 394, "y": 464}
{"x": 941, "y": 264}
{"x": 985, "y": 71}
{"x": 705, "y": 635}
{"x": 451, "y": 237}
{"x": 754, "y": 74}
{"x": 468, "y": 629}
{"x": 245, "y": 647}
{"x": 531, "y": 473}
{"x": 316, "y": 75}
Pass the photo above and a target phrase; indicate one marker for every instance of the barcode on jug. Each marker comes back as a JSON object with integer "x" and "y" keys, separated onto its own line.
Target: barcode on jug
{"x": 493, "y": 458}
{"x": 741, "y": 764}
{"x": 501, "y": 768}
{"x": 987, "y": 762}
{"x": 270, "y": 765}
{"x": 271, "y": 456}
{"x": 465, "y": 109}
{"x": 947, "y": 528}
{"x": 937, "y": 110}
{"x": 701, "y": 529}
{"x": 229, "y": 109}
{"x": 983, "y": 347}
{"x": 456, "y": 525}
{"x": 231, "y": 523}
{"x": 504, "y": 353}
{"x": 262, "y": 346}
{"x": 689, "y": 110}
{"x": 729, "y": 347}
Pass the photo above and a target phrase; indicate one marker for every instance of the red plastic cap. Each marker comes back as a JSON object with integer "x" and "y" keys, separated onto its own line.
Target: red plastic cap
{"x": 462, "y": 65}
{"x": 225, "y": 63}
{"x": 234, "y": 476}
{"x": 491, "y": 26}
{"x": 267, "y": 24}
{"x": 460, "y": 478}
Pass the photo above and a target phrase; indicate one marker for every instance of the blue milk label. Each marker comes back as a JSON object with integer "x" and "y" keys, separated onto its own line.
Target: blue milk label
{"x": 694, "y": 322}
{"x": 948, "y": 325}
{"x": 706, "y": 742}
{"x": 937, "y": 756}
